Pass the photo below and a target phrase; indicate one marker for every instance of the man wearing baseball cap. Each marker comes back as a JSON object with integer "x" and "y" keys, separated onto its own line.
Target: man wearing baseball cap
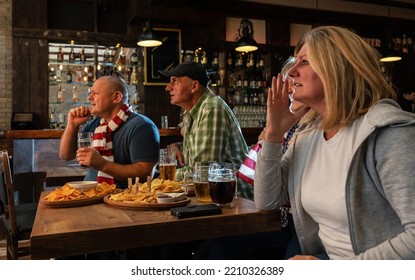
{"x": 211, "y": 132}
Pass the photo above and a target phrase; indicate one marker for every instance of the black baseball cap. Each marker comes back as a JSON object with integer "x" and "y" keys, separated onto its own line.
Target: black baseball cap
{"x": 193, "y": 70}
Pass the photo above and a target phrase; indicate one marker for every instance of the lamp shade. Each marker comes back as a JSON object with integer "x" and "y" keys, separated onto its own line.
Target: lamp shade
{"x": 148, "y": 38}
{"x": 390, "y": 55}
{"x": 246, "y": 43}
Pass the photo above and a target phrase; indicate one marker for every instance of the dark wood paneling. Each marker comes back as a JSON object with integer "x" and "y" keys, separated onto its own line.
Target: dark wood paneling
{"x": 21, "y": 74}
{"x": 30, "y": 84}
{"x": 29, "y": 13}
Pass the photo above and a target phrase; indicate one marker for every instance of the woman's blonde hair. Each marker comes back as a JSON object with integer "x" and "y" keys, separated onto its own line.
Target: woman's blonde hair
{"x": 350, "y": 71}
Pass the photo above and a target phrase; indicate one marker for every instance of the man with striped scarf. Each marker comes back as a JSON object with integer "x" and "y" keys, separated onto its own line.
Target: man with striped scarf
{"x": 125, "y": 144}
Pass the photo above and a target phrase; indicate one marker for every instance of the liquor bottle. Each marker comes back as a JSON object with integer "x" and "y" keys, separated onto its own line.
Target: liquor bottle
{"x": 405, "y": 48}
{"x": 251, "y": 61}
{"x": 134, "y": 76}
{"x": 75, "y": 95}
{"x": 60, "y": 95}
{"x": 61, "y": 121}
{"x": 90, "y": 74}
{"x": 204, "y": 59}
{"x": 60, "y": 54}
{"x": 239, "y": 61}
{"x": 52, "y": 120}
{"x": 245, "y": 81}
{"x": 230, "y": 60}
{"x": 72, "y": 54}
{"x": 69, "y": 77}
{"x": 239, "y": 81}
{"x": 261, "y": 62}
{"x": 59, "y": 73}
{"x": 79, "y": 74}
{"x": 82, "y": 55}
{"x": 127, "y": 76}
{"x": 134, "y": 58}
{"x": 107, "y": 55}
{"x": 121, "y": 57}
{"x": 215, "y": 61}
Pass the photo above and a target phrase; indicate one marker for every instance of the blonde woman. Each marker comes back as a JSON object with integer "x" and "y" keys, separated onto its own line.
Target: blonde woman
{"x": 348, "y": 199}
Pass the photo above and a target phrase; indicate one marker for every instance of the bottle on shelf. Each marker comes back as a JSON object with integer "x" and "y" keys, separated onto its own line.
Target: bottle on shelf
{"x": 52, "y": 119}
{"x": 239, "y": 81}
{"x": 127, "y": 76}
{"x": 90, "y": 74}
{"x": 60, "y": 54}
{"x": 72, "y": 54}
{"x": 215, "y": 61}
{"x": 251, "y": 61}
{"x": 75, "y": 95}
{"x": 79, "y": 74}
{"x": 61, "y": 121}
{"x": 69, "y": 76}
{"x": 134, "y": 58}
{"x": 59, "y": 98}
{"x": 230, "y": 60}
{"x": 239, "y": 61}
{"x": 107, "y": 56}
{"x": 121, "y": 58}
{"x": 82, "y": 55}
{"x": 405, "y": 48}
{"x": 134, "y": 76}
{"x": 59, "y": 73}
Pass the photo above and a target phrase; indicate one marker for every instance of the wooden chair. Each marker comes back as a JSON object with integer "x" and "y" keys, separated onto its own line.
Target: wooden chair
{"x": 18, "y": 218}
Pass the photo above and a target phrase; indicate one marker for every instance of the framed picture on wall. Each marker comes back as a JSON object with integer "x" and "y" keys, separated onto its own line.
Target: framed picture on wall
{"x": 163, "y": 57}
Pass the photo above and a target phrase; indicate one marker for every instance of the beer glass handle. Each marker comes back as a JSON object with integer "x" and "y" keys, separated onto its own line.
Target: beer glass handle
{"x": 187, "y": 177}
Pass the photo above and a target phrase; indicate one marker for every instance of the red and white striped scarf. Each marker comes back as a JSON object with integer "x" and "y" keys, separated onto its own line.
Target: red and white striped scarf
{"x": 103, "y": 139}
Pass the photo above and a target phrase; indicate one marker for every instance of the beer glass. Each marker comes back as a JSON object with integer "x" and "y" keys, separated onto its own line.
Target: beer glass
{"x": 84, "y": 140}
{"x": 167, "y": 164}
{"x": 199, "y": 179}
{"x": 222, "y": 183}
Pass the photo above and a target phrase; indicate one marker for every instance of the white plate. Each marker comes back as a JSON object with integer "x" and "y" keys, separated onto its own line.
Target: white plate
{"x": 170, "y": 197}
{"x": 84, "y": 185}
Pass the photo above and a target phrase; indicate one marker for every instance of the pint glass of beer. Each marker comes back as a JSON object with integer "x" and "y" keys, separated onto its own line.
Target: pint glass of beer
{"x": 199, "y": 179}
{"x": 222, "y": 183}
{"x": 167, "y": 164}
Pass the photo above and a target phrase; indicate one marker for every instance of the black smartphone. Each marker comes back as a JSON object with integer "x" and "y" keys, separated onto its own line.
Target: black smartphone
{"x": 195, "y": 210}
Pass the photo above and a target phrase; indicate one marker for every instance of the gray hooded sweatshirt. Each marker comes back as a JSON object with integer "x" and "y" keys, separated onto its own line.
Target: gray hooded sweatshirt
{"x": 380, "y": 187}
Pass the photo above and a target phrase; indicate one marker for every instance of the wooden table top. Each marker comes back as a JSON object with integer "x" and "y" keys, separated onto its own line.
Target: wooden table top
{"x": 59, "y": 232}
{"x": 59, "y": 175}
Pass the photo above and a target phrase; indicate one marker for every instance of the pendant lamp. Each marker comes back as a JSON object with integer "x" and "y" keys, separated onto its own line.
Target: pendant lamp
{"x": 390, "y": 55}
{"x": 246, "y": 43}
{"x": 148, "y": 38}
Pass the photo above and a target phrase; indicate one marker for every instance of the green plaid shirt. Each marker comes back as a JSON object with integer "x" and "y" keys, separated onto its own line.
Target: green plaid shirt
{"x": 212, "y": 133}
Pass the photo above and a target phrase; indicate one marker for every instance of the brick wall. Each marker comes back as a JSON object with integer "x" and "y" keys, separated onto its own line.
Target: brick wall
{"x": 5, "y": 63}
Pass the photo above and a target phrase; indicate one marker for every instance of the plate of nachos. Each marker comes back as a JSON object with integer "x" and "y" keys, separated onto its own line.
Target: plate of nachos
{"x": 68, "y": 196}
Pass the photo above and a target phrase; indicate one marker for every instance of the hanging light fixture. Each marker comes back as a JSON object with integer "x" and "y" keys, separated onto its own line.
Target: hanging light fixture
{"x": 148, "y": 38}
{"x": 246, "y": 42}
{"x": 390, "y": 55}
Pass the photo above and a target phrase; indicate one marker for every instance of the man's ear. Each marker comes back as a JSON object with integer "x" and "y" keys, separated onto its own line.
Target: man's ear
{"x": 195, "y": 86}
{"x": 117, "y": 96}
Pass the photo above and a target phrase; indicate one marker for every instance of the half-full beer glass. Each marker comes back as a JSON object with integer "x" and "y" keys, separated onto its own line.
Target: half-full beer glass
{"x": 199, "y": 179}
{"x": 167, "y": 164}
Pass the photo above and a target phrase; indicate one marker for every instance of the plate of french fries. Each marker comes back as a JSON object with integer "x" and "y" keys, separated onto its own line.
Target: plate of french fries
{"x": 68, "y": 196}
{"x": 144, "y": 196}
